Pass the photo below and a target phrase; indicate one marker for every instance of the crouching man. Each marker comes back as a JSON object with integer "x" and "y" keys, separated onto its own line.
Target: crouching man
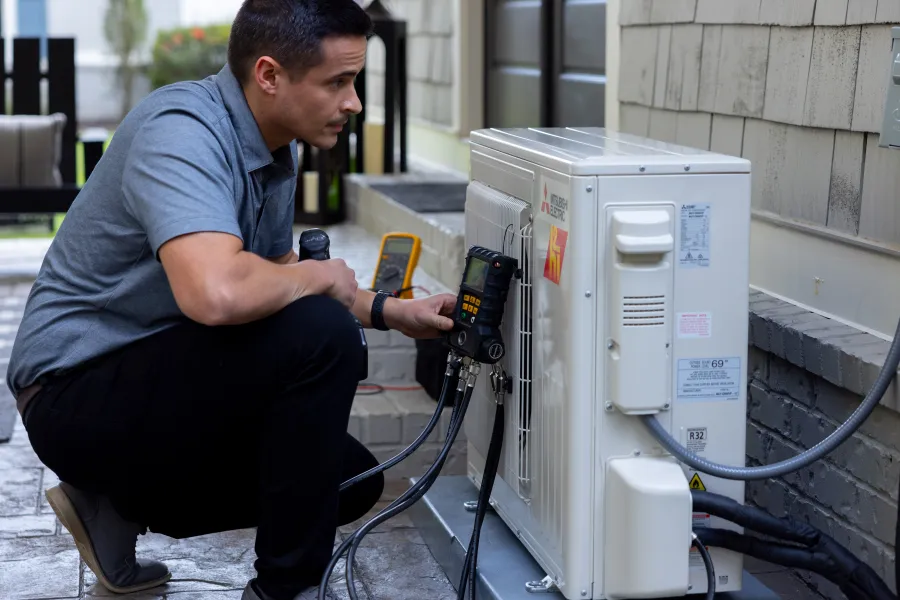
{"x": 176, "y": 366}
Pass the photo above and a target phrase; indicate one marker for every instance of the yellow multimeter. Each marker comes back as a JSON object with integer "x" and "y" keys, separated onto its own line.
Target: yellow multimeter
{"x": 396, "y": 262}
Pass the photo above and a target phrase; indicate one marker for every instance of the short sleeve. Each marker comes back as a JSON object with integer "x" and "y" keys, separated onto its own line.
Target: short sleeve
{"x": 177, "y": 179}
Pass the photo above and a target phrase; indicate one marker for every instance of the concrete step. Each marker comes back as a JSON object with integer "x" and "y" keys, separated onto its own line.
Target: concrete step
{"x": 390, "y": 420}
{"x": 442, "y": 233}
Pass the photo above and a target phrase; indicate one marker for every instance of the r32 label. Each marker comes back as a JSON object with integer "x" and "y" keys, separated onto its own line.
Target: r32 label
{"x": 697, "y": 438}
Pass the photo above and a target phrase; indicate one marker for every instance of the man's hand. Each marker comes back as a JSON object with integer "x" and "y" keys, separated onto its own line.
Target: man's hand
{"x": 422, "y": 318}
{"x": 342, "y": 284}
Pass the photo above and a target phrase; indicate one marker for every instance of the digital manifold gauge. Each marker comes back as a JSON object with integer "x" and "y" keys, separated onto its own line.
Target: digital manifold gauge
{"x": 480, "y": 304}
{"x": 396, "y": 263}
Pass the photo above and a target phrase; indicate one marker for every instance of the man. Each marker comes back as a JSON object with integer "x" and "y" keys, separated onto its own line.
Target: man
{"x": 176, "y": 366}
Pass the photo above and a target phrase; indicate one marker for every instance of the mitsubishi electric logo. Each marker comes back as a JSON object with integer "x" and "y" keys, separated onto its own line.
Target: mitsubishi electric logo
{"x": 556, "y": 206}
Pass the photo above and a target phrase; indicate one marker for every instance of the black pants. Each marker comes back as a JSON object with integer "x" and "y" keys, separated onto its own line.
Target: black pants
{"x": 207, "y": 429}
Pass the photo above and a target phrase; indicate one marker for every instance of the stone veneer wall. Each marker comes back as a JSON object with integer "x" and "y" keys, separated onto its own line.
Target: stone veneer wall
{"x": 797, "y": 87}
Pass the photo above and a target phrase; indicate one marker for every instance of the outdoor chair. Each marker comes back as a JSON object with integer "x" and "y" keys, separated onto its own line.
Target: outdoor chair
{"x": 38, "y": 151}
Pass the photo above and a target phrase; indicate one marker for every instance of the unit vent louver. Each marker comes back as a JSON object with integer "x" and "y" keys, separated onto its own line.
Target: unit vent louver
{"x": 503, "y": 222}
{"x": 643, "y": 311}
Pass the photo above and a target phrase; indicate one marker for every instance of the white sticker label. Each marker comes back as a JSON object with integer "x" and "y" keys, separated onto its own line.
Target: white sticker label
{"x": 696, "y": 440}
{"x": 694, "y": 250}
{"x": 695, "y": 325}
{"x": 709, "y": 379}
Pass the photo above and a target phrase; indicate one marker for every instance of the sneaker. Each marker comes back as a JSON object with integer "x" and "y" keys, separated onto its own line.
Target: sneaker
{"x": 252, "y": 592}
{"x": 105, "y": 540}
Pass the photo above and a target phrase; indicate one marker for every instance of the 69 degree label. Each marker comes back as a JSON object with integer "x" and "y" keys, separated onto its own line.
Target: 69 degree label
{"x": 709, "y": 379}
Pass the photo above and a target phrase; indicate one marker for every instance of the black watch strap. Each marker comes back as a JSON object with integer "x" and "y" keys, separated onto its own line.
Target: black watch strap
{"x": 377, "y": 315}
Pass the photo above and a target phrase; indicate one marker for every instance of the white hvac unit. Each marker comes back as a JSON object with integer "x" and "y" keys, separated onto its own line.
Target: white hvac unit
{"x": 633, "y": 300}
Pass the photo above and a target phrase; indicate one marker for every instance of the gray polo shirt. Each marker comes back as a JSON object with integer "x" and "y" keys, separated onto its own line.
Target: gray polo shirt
{"x": 188, "y": 158}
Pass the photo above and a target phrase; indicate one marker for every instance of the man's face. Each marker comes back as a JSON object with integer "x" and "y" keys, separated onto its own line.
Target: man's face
{"x": 316, "y": 106}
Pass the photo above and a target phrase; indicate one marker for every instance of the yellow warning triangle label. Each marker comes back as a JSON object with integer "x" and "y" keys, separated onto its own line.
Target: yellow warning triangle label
{"x": 697, "y": 483}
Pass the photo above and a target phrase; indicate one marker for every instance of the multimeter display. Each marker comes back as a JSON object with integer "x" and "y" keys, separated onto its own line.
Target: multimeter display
{"x": 396, "y": 263}
{"x": 480, "y": 304}
{"x": 402, "y": 246}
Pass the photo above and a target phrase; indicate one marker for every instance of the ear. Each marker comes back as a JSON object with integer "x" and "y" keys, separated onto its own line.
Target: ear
{"x": 265, "y": 72}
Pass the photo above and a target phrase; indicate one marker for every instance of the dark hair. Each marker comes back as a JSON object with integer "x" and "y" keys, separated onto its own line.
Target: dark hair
{"x": 291, "y": 31}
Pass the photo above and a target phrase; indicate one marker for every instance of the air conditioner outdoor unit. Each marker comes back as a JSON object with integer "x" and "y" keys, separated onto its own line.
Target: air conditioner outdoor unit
{"x": 633, "y": 300}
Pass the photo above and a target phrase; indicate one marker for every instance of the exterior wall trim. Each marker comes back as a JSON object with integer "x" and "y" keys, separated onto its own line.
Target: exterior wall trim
{"x": 842, "y": 355}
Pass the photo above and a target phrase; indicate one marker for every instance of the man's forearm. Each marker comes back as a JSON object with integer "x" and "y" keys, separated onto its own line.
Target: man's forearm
{"x": 362, "y": 308}
{"x": 285, "y": 259}
{"x": 258, "y": 288}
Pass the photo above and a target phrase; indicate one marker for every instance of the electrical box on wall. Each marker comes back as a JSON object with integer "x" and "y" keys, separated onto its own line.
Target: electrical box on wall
{"x": 890, "y": 128}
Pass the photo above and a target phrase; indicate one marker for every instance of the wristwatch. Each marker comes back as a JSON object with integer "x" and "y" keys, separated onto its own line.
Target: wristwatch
{"x": 377, "y": 315}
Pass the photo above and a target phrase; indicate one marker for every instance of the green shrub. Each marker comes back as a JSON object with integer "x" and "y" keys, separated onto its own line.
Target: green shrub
{"x": 189, "y": 53}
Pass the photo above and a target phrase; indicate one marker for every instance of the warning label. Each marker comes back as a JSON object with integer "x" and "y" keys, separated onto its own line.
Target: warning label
{"x": 709, "y": 379}
{"x": 694, "y": 250}
{"x": 695, "y": 325}
{"x": 696, "y": 440}
{"x": 697, "y": 483}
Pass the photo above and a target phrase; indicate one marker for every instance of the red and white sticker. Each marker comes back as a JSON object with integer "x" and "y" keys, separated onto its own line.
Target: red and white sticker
{"x": 693, "y": 325}
{"x": 700, "y": 520}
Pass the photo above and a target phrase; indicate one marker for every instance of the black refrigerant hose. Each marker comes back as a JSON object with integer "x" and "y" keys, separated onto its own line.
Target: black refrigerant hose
{"x": 453, "y": 368}
{"x": 415, "y": 492}
{"x": 710, "y": 569}
{"x": 489, "y": 474}
{"x": 410, "y": 497}
{"x": 795, "y": 544}
{"x": 421, "y": 487}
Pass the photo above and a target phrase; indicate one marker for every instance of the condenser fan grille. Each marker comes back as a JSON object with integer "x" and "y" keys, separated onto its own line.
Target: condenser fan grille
{"x": 526, "y": 297}
{"x": 643, "y": 311}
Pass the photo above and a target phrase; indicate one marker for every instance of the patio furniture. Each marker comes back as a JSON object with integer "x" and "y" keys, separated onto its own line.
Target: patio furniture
{"x": 37, "y": 150}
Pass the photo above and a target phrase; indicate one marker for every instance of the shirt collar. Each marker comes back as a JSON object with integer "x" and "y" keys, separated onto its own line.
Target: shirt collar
{"x": 256, "y": 151}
